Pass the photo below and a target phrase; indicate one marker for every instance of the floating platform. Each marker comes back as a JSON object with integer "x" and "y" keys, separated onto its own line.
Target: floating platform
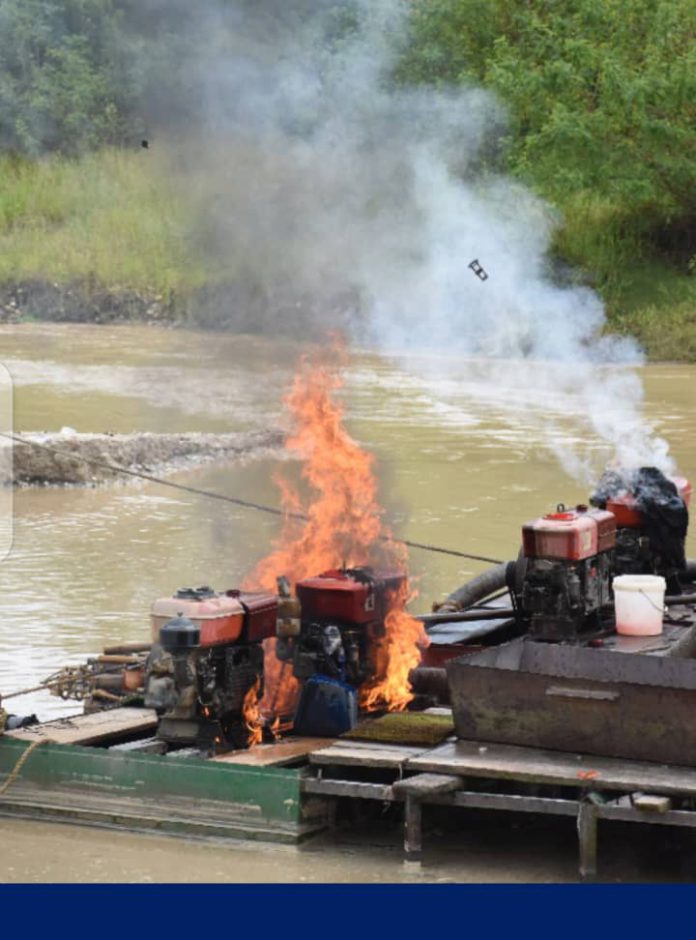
{"x": 469, "y": 775}
{"x": 103, "y": 770}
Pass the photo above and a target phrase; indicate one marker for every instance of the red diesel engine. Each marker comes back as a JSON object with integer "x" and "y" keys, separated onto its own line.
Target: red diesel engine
{"x": 206, "y": 656}
{"x": 567, "y": 571}
{"x": 652, "y": 518}
{"x": 341, "y": 623}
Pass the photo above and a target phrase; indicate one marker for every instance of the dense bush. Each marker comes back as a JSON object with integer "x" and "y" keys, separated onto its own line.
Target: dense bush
{"x": 68, "y": 75}
{"x": 78, "y": 74}
{"x": 602, "y": 103}
{"x": 601, "y": 97}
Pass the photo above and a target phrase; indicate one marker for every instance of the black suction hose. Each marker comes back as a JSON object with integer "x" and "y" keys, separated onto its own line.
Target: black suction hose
{"x": 492, "y": 580}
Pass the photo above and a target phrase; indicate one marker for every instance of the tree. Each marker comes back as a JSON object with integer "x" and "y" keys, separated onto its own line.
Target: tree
{"x": 67, "y": 77}
{"x": 601, "y": 96}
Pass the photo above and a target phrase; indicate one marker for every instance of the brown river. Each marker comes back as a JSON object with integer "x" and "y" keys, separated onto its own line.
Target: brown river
{"x": 462, "y": 461}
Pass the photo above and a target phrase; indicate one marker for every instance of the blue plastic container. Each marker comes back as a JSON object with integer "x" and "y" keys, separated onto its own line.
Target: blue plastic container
{"x": 326, "y": 709}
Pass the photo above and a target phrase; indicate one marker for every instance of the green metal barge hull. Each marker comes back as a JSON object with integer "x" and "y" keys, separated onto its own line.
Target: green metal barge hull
{"x": 163, "y": 794}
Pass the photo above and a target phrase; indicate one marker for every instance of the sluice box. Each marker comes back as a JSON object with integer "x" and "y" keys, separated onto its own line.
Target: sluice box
{"x": 584, "y": 700}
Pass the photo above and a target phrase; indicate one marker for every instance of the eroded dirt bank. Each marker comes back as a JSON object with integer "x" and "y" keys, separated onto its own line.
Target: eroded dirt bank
{"x": 67, "y": 457}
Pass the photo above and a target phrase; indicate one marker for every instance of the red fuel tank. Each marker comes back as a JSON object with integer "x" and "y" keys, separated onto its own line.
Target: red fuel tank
{"x": 261, "y": 614}
{"x": 231, "y": 617}
{"x": 220, "y": 619}
{"x": 569, "y": 534}
{"x": 628, "y": 515}
{"x": 355, "y": 595}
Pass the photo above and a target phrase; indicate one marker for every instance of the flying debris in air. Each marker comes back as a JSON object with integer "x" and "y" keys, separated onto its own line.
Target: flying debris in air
{"x": 478, "y": 270}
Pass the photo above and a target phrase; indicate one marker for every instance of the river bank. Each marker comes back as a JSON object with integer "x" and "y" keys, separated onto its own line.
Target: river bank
{"x": 215, "y": 306}
{"x": 667, "y": 334}
{"x": 119, "y": 236}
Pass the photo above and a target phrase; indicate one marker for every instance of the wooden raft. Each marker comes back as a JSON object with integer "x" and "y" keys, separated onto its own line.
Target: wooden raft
{"x": 90, "y": 729}
{"x": 596, "y": 788}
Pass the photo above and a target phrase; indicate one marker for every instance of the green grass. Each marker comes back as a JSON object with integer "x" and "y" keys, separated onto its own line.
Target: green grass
{"x": 667, "y": 333}
{"x": 125, "y": 220}
{"x": 112, "y": 217}
{"x": 648, "y": 295}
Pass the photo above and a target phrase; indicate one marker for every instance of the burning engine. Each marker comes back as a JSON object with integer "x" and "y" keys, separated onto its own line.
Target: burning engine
{"x": 652, "y": 519}
{"x": 338, "y": 623}
{"x": 206, "y": 657}
{"x": 567, "y": 571}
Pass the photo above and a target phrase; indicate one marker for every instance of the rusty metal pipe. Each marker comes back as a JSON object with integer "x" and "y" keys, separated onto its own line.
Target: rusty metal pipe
{"x": 106, "y": 696}
{"x": 117, "y": 660}
{"x": 108, "y": 682}
{"x": 428, "y": 681}
{"x": 126, "y": 649}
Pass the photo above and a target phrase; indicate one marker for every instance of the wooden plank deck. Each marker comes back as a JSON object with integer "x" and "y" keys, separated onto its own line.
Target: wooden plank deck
{"x": 439, "y": 775}
{"x": 532, "y": 765}
{"x": 426, "y": 785}
{"x": 288, "y": 751}
{"x": 90, "y": 729}
{"x": 365, "y": 754}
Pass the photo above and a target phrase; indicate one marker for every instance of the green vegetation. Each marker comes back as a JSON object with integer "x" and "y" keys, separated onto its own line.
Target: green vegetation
{"x": 112, "y": 218}
{"x": 601, "y": 97}
{"x": 68, "y": 75}
{"x": 601, "y": 100}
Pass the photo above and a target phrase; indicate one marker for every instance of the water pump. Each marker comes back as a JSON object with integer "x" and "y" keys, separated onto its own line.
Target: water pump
{"x": 566, "y": 567}
{"x": 340, "y": 623}
{"x": 206, "y": 658}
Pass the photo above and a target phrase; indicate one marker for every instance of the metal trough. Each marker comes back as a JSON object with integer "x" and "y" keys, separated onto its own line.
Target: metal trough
{"x": 584, "y": 700}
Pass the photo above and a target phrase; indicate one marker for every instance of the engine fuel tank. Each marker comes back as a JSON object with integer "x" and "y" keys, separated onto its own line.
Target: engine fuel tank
{"x": 219, "y": 618}
{"x": 625, "y": 506}
{"x": 261, "y": 614}
{"x": 569, "y": 534}
{"x": 354, "y": 595}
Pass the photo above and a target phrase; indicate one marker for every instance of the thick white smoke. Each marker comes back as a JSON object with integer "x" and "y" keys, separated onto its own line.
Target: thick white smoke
{"x": 337, "y": 192}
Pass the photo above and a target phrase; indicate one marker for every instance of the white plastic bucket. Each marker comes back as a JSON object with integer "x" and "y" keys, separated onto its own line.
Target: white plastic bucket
{"x": 639, "y": 601}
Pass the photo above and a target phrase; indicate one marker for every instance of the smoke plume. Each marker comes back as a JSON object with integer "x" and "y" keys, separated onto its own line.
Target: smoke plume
{"x": 333, "y": 198}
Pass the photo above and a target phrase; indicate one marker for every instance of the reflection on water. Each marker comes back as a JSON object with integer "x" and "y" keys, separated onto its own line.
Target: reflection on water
{"x": 458, "y": 468}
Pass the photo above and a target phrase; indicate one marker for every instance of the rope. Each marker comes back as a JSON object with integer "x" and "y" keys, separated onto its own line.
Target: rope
{"x": 17, "y": 769}
{"x": 245, "y": 503}
{"x": 36, "y": 688}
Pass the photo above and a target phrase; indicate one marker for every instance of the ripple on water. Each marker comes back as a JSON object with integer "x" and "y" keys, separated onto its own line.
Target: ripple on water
{"x": 463, "y": 452}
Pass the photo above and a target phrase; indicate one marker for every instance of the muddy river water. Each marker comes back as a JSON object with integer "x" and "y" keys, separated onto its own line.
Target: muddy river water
{"x": 462, "y": 460}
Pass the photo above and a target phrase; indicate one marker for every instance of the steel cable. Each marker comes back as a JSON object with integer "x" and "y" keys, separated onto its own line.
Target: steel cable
{"x": 236, "y": 501}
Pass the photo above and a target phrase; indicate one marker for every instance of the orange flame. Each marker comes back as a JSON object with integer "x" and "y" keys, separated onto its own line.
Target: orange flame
{"x": 343, "y": 527}
{"x": 251, "y": 713}
{"x": 281, "y": 688}
{"x": 398, "y": 654}
{"x": 343, "y": 522}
